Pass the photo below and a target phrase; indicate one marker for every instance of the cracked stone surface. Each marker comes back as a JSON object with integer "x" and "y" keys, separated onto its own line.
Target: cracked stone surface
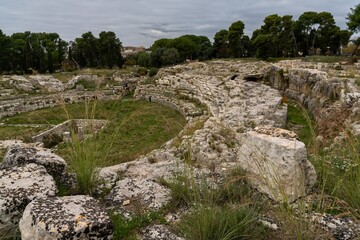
{"x": 72, "y": 217}
{"x": 18, "y": 187}
{"x": 22, "y": 154}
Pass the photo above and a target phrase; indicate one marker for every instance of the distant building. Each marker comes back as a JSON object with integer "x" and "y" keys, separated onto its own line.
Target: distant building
{"x": 127, "y": 51}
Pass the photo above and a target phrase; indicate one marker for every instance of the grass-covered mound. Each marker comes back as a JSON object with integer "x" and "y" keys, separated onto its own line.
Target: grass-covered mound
{"x": 135, "y": 128}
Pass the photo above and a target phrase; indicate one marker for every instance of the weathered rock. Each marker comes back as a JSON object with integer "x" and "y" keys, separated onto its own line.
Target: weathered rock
{"x": 277, "y": 164}
{"x": 158, "y": 232}
{"x": 235, "y": 107}
{"x": 139, "y": 194}
{"x": 72, "y": 217}
{"x": 20, "y": 185}
{"x": 47, "y": 83}
{"x": 22, "y": 154}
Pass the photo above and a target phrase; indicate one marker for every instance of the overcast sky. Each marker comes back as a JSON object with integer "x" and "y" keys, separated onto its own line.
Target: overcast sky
{"x": 141, "y": 22}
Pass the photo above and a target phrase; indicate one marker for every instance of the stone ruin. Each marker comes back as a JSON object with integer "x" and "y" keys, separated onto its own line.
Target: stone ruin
{"x": 63, "y": 131}
{"x": 236, "y": 114}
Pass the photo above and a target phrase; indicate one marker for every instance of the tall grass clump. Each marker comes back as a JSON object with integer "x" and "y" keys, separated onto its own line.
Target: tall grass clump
{"x": 220, "y": 222}
{"x": 338, "y": 169}
{"x": 337, "y": 162}
{"x": 83, "y": 150}
{"x": 217, "y": 210}
{"x": 82, "y": 159}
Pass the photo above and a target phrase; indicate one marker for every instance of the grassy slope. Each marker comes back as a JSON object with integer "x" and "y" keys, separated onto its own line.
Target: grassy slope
{"x": 144, "y": 126}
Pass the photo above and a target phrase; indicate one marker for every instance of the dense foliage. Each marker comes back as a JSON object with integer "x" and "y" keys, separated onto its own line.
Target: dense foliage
{"x": 313, "y": 33}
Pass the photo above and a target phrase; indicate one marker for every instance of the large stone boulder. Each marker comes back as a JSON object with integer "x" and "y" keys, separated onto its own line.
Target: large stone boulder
{"x": 18, "y": 187}
{"x": 72, "y": 217}
{"x": 132, "y": 195}
{"x": 277, "y": 163}
{"x": 47, "y": 83}
{"x": 22, "y": 154}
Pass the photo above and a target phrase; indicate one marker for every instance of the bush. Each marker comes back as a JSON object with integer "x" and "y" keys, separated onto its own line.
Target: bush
{"x": 153, "y": 72}
{"x": 142, "y": 71}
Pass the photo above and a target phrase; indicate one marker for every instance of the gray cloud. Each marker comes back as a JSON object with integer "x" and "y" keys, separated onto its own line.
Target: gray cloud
{"x": 140, "y": 22}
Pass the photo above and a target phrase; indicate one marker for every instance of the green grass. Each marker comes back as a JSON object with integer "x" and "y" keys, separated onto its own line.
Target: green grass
{"x": 338, "y": 171}
{"x": 357, "y": 81}
{"x": 225, "y": 211}
{"x": 225, "y": 223}
{"x": 145, "y": 126}
{"x": 298, "y": 121}
{"x": 19, "y": 133}
{"x": 326, "y": 59}
{"x": 126, "y": 229}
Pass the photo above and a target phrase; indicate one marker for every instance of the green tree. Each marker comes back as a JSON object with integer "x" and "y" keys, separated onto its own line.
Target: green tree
{"x": 221, "y": 44}
{"x": 5, "y": 51}
{"x": 170, "y": 56}
{"x": 318, "y": 30}
{"x": 110, "y": 49}
{"x": 162, "y": 43}
{"x": 275, "y": 37}
{"x": 86, "y": 50}
{"x": 143, "y": 59}
{"x": 236, "y": 31}
{"x": 156, "y": 57}
{"x": 353, "y": 24}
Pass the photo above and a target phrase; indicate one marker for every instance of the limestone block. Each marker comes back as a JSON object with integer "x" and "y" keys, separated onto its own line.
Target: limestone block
{"x": 145, "y": 193}
{"x": 21, "y": 154}
{"x": 71, "y": 217}
{"x": 277, "y": 164}
{"x": 158, "y": 232}
{"x": 18, "y": 187}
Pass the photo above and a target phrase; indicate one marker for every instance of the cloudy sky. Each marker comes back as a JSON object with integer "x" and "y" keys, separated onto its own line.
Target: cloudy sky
{"x": 140, "y": 22}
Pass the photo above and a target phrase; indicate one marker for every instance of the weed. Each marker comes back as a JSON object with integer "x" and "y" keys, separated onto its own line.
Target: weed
{"x": 300, "y": 121}
{"x": 357, "y": 81}
{"x": 126, "y": 228}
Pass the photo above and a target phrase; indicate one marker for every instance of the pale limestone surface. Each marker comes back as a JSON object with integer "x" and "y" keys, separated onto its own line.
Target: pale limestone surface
{"x": 20, "y": 185}
{"x": 71, "y": 217}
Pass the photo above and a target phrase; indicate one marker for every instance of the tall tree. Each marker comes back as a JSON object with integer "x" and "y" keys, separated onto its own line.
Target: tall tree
{"x": 221, "y": 44}
{"x": 110, "y": 49}
{"x": 275, "y": 37}
{"x": 353, "y": 24}
{"x": 236, "y": 31}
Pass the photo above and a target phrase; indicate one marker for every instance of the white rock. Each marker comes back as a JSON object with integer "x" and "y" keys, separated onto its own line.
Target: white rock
{"x": 71, "y": 217}
{"x": 277, "y": 166}
{"x": 18, "y": 187}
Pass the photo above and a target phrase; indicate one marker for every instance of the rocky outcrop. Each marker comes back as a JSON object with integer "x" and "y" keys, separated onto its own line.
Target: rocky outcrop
{"x": 236, "y": 101}
{"x": 23, "y": 154}
{"x": 73, "y": 217}
{"x": 45, "y": 83}
{"x": 277, "y": 163}
{"x": 158, "y": 232}
{"x": 20, "y": 185}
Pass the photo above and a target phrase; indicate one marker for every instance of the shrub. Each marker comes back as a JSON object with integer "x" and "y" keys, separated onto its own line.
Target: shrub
{"x": 142, "y": 71}
{"x": 153, "y": 72}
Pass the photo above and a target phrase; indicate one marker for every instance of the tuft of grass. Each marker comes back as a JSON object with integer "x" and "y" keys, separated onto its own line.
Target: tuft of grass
{"x": 205, "y": 223}
{"x": 338, "y": 170}
{"x": 126, "y": 229}
{"x": 357, "y": 81}
{"x": 210, "y": 216}
{"x": 300, "y": 121}
{"x": 23, "y": 133}
{"x": 87, "y": 84}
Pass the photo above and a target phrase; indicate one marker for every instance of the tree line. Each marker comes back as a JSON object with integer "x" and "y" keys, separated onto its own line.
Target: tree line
{"x": 313, "y": 33}
{"x": 46, "y": 52}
